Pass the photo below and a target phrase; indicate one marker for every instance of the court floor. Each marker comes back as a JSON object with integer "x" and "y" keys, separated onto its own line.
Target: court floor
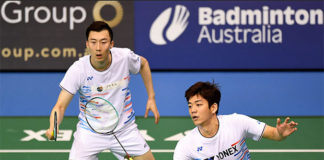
{"x": 24, "y": 138}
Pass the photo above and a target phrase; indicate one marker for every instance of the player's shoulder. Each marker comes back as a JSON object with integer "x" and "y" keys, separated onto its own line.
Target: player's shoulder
{"x": 80, "y": 64}
{"x": 184, "y": 146}
{"x": 231, "y": 116}
{"x": 234, "y": 119}
{"x": 121, "y": 51}
{"x": 189, "y": 137}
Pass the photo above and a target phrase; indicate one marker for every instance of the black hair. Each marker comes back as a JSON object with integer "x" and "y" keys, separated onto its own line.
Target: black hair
{"x": 209, "y": 91}
{"x": 99, "y": 26}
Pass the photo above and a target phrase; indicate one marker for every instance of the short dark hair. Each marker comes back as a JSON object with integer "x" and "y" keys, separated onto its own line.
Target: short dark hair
{"x": 209, "y": 91}
{"x": 99, "y": 26}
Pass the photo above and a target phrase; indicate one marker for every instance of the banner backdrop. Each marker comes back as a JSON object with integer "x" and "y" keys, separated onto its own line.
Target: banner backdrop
{"x": 50, "y": 35}
{"x": 172, "y": 35}
{"x": 230, "y": 34}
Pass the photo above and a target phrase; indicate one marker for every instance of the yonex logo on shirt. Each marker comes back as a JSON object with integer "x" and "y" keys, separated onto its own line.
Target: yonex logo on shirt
{"x": 227, "y": 152}
{"x": 223, "y": 154}
{"x": 89, "y": 78}
{"x": 199, "y": 148}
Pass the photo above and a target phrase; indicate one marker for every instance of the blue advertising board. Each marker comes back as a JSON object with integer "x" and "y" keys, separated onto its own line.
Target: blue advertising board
{"x": 249, "y": 93}
{"x": 230, "y": 34}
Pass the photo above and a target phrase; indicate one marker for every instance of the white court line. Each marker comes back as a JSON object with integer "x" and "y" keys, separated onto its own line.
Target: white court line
{"x": 162, "y": 150}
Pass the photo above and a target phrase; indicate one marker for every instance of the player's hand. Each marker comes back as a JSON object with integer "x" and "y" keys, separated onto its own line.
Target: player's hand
{"x": 50, "y": 134}
{"x": 286, "y": 128}
{"x": 151, "y": 106}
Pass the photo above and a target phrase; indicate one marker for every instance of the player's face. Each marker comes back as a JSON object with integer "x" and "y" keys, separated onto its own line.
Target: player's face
{"x": 99, "y": 44}
{"x": 199, "y": 110}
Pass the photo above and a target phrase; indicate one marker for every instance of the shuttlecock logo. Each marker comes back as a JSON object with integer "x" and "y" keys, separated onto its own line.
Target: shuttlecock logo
{"x": 176, "y": 28}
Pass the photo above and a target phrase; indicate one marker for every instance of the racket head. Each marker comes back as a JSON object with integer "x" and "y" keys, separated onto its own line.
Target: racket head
{"x": 101, "y": 115}
{"x": 55, "y": 126}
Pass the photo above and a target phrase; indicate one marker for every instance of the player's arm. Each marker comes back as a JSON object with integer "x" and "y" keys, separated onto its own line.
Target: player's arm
{"x": 147, "y": 78}
{"x": 62, "y": 103}
{"x": 282, "y": 130}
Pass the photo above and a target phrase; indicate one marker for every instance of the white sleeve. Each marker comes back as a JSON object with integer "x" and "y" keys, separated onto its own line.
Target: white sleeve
{"x": 253, "y": 128}
{"x": 134, "y": 62}
{"x": 71, "y": 80}
{"x": 181, "y": 151}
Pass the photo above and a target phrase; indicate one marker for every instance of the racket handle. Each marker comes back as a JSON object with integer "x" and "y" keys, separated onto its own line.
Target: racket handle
{"x": 53, "y": 138}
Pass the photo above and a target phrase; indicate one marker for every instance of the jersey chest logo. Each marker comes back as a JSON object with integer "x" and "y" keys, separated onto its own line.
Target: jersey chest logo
{"x": 89, "y": 78}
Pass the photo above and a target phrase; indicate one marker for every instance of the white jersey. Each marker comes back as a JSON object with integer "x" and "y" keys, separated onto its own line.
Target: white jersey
{"x": 227, "y": 144}
{"x": 111, "y": 84}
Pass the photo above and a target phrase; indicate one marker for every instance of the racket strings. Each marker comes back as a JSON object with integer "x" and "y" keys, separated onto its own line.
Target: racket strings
{"x": 101, "y": 116}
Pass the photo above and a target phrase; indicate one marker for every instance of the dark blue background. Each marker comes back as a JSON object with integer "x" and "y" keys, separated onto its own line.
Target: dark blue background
{"x": 250, "y": 93}
{"x": 302, "y": 46}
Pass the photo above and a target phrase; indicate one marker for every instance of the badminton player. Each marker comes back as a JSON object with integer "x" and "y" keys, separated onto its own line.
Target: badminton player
{"x": 106, "y": 73}
{"x": 222, "y": 136}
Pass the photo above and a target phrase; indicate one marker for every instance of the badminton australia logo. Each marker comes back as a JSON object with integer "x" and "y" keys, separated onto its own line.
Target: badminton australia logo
{"x": 178, "y": 25}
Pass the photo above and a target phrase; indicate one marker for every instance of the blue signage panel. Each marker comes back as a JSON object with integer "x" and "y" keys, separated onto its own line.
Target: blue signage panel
{"x": 249, "y": 93}
{"x": 230, "y": 35}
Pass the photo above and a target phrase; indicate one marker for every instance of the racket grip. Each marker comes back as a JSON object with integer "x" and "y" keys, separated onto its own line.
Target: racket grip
{"x": 128, "y": 157}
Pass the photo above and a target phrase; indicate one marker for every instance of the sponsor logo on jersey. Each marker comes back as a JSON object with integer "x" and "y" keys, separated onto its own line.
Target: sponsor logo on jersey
{"x": 199, "y": 148}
